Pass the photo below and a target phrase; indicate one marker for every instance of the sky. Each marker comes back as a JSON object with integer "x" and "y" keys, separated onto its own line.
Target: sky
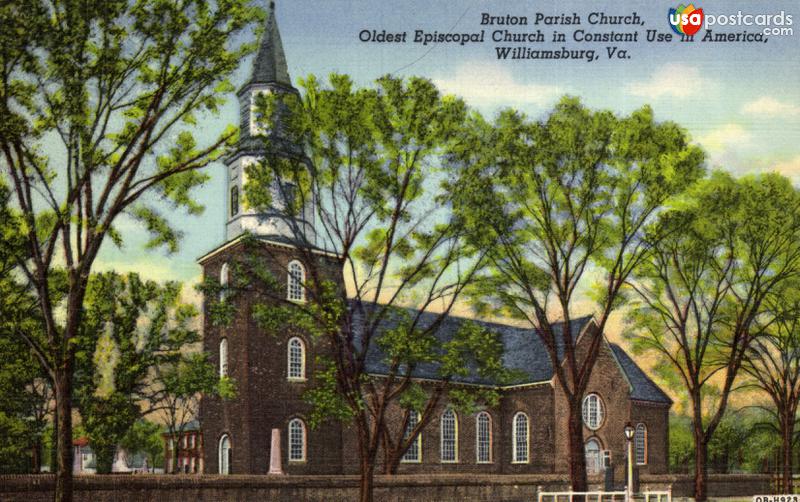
{"x": 740, "y": 101}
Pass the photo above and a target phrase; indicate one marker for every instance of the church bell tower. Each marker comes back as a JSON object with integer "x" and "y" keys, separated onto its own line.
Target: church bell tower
{"x": 270, "y": 75}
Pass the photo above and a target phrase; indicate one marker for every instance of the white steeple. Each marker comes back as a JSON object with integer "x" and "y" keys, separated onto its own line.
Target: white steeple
{"x": 270, "y": 75}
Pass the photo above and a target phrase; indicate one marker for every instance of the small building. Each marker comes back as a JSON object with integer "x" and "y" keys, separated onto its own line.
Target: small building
{"x": 187, "y": 448}
{"x": 83, "y": 459}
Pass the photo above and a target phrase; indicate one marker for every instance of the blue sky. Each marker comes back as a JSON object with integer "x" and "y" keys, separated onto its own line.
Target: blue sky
{"x": 740, "y": 101}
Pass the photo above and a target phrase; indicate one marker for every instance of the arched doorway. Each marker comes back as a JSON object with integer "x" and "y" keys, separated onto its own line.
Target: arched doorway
{"x": 594, "y": 461}
{"x": 224, "y": 455}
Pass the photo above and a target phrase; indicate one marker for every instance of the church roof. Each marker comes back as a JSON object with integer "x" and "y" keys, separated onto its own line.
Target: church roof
{"x": 643, "y": 389}
{"x": 270, "y": 65}
{"x": 524, "y": 352}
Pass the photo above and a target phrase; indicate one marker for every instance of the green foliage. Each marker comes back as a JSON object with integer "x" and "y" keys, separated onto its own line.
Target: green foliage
{"x": 145, "y": 437}
{"x": 130, "y": 328}
{"x": 743, "y": 442}
{"x": 718, "y": 254}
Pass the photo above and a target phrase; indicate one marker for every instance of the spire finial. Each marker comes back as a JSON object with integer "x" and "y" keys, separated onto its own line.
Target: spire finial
{"x": 272, "y": 5}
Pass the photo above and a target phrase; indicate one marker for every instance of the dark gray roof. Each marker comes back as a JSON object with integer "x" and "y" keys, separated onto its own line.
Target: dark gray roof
{"x": 270, "y": 66}
{"x": 524, "y": 352}
{"x": 644, "y": 389}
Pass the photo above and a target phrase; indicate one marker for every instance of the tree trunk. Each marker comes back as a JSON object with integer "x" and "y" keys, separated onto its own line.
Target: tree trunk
{"x": 788, "y": 457}
{"x": 367, "y": 475}
{"x": 577, "y": 455}
{"x": 63, "y": 386}
{"x": 700, "y": 468}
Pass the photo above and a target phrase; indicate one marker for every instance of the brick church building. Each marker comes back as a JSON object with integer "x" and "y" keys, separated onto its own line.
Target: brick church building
{"x": 525, "y": 433}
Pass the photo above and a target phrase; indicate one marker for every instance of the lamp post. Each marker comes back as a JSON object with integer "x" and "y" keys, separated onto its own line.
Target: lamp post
{"x": 629, "y": 432}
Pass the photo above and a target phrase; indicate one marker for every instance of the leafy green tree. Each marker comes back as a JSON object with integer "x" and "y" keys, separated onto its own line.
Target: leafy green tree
{"x": 25, "y": 391}
{"x": 556, "y": 199}
{"x": 772, "y": 363}
{"x": 718, "y": 254}
{"x": 130, "y": 328}
{"x": 179, "y": 385}
{"x": 98, "y": 100}
{"x": 145, "y": 437}
{"x": 369, "y": 170}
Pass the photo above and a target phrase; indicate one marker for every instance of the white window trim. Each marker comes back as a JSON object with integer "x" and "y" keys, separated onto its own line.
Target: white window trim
{"x": 514, "y": 439}
{"x": 302, "y": 377}
{"x": 223, "y": 438}
{"x": 302, "y": 298}
{"x": 601, "y": 412}
{"x": 224, "y": 280}
{"x": 441, "y": 438}
{"x": 223, "y": 358}
{"x": 304, "y": 440}
{"x": 644, "y": 440}
{"x": 477, "y": 437}
{"x": 416, "y": 443}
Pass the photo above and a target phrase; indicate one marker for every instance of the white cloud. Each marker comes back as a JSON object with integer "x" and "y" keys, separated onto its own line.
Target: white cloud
{"x": 483, "y": 84}
{"x": 770, "y": 107}
{"x": 672, "y": 80}
{"x": 726, "y": 138}
{"x": 789, "y": 168}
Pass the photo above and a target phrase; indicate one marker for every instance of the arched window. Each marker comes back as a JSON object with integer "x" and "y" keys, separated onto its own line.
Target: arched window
{"x": 297, "y": 440}
{"x": 224, "y": 278}
{"x": 224, "y": 455}
{"x": 483, "y": 438}
{"x": 414, "y": 451}
{"x": 593, "y": 460}
{"x": 593, "y": 411}
{"x": 640, "y": 444}
{"x": 234, "y": 200}
{"x": 449, "y": 442}
{"x": 296, "y": 359}
{"x": 223, "y": 358}
{"x": 296, "y": 277}
{"x": 520, "y": 439}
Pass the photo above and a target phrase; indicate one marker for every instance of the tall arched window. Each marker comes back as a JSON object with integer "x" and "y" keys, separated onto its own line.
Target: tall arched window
{"x": 449, "y": 442}
{"x": 414, "y": 451}
{"x": 520, "y": 439}
{"x": 224, "y": 278}
{"x": 296, "y": 359}
{"x": 483, "y": 438}
{"x": 640, "y": 444}
{"x": 224, "y": 455}
{"x": 593, "y": 460}
{"x": 593, "y": 411}
{"x": 223, "y": 358}
{"x": 296, "y": 278}
{"x": 234, "y": 200}
{"x": 297, "y": 440}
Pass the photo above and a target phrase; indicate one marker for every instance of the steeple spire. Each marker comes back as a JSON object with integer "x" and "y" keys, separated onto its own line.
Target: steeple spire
{"x": 270, "y": 66}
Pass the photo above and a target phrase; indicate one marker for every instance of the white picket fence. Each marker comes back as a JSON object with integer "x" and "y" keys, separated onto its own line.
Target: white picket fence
{"x": 600, "y": 496}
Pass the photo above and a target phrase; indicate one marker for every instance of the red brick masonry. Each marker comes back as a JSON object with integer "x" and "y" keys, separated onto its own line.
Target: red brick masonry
{"x": 413, "y": 488}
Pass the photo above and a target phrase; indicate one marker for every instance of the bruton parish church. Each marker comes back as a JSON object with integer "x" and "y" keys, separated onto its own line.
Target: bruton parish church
{"x": 526, "y": 432}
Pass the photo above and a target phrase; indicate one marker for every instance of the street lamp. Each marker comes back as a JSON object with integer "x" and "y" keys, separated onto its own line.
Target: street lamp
{"x": 629, "y": 432}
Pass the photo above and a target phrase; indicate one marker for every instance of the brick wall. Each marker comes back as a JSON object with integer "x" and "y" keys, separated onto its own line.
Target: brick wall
{"x": 422, "y": 488}
{"x": 257, "y": 361}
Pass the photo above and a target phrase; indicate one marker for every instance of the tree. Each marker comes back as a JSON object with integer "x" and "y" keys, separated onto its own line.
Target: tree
{"x": 772, "y": 362}
{"x": 131, "y": 327}
{"x": 179, "y": 385}
{"x": 25, "y": 391}
{"x": 370, "y": 172}
{"x": 718, "y": 256}
{"x": 145, "y": 437}
{"x": 97, "y": 102}
{"x": 551, "y": 201}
